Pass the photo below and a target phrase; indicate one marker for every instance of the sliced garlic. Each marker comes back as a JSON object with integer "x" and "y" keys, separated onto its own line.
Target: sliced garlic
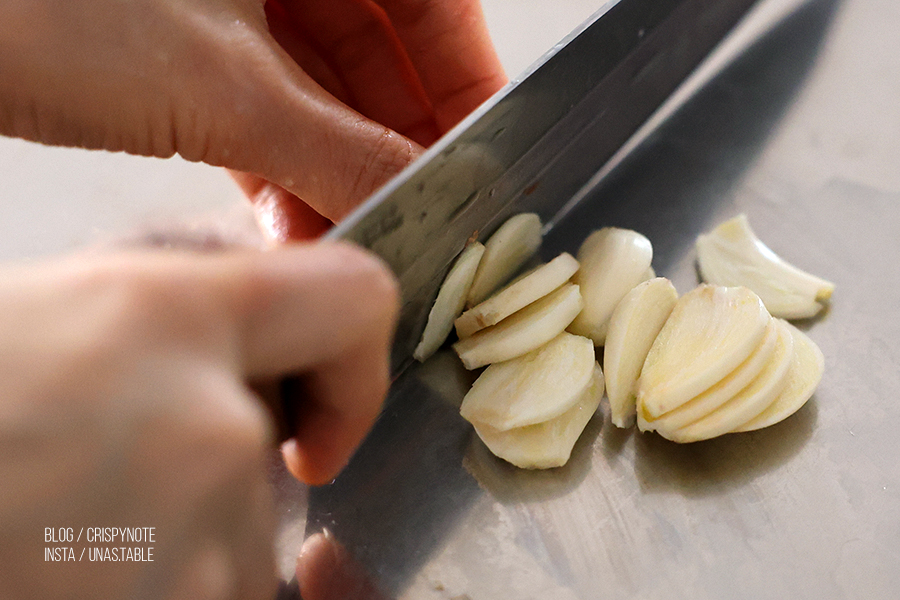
{"x": 633, "y": 326}
{"x": 532, "y": 388}
{"x": 450, "y": 301}
{"x": 522, "y": 332}
{"x": 748, "y": 402}
{"x": 732, "y": 255}
{"x": 708, "y": 401}
{"x": 519, "y": 294}
{"x": 710, "y": 332}
{"x": 548, "y": 444}
{"x": 804, "y": 375}
{"x": 613, "y": 261}
{"x": 505, "y": 252}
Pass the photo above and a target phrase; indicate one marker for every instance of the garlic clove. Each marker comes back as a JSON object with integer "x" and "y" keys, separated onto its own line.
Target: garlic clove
{"x": 613, "y": 261}
{"x": 748, "y": 402}
{"x": 633, "y": 327}
{"x": 710, "y": 332}
{"x": 517, "y": 295}
{"x": 505, "y": 252}
{"x": 532, "y": 388}
{"x": 523, "y": 331}
{"x": 547, "y": 444}
{"x": 708, "y": 401}
{"x": 732, "y": 255}
{"x": 805, "y": 373}
{"x": 450, "y": 301}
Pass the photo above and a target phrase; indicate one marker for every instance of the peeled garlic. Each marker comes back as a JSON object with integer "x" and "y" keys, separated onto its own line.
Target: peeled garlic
{"x": 710, "y": 332}
{"x": 547, "y": 444}
{"x": 748, "y": 402}
{"x": 613, "y": 261}
{"x": 505, "y": 252}
{"x": 450, "y": 301}
{"x": 519, "y": 294}
{"x": 804, "y": 375}
{"x": 720, "y": 393}
{"x": 732, "y": 255}
{"x": 633, "y": 327}
{"x": 522, "y": 332}
{"x": 532, "y": 388}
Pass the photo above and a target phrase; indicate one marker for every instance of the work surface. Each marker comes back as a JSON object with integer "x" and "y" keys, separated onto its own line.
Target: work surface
{"x": 799, "y": 130}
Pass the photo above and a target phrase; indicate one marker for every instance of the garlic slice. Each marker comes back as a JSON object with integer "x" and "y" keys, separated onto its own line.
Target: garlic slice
{"x": 804, "y": 375}
{"x": 732, "y": 255}
{"x": 450, "y": 301}
{"x": 532, "y": 388}
{"x": 708, "y": 401}
{"x": 548, "y": 444}
{"x": 613, "y": 261}
{"x": 633, "y": 327}
{"x": 505, "y": 252}
{"x": 710, "y": 332}
{"x": 748, "y": 402}
{"x": 524, "y": 331}
{"x": 517, "y": 295}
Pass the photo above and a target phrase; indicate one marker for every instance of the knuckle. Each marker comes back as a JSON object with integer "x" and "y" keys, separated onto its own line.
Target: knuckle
{"x": 387, "y": 156}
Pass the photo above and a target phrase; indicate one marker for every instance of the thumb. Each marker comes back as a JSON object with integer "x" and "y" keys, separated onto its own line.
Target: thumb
{"x": 292, "y": 132}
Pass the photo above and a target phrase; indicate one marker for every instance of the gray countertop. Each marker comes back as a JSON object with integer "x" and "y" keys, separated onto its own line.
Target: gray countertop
{"x": 796, "y": 124}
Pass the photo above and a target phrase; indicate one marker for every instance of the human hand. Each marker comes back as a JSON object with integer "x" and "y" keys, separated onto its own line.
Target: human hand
{"x": 124, "y": 402}
{"x": 327, "y": 571}
{"x": 325, "y": 99}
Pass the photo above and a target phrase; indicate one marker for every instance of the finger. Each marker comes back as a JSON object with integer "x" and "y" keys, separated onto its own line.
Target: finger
{"x": 282, "y": 216}
{"x": 296, "y": 42}
{"x": 334, "y": 324}
{"x": 326, "y": 571}
{"x": 325, "y": 311}
{"x": 270, "y": 118}
{"x": 310, "y": 304}
{"x": 229, "y": 523}
{"x": 317, "y": 568}
{"x": 450, "y": 46}
{"x": 379, "y": 78}
{"x": 334, "y": 412}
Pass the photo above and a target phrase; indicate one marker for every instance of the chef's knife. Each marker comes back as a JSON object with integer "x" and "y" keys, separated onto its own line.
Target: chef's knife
{"x": 535, "y": 143}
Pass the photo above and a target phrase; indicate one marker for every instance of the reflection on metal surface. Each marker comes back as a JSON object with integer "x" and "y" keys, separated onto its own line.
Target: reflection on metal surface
{"x": 408, "y": 476}
{"x": 668, "y": 186}
{"x": 806, "y": 509}
{"x": 291, "y": 504}
{"x": 535, "y": 143}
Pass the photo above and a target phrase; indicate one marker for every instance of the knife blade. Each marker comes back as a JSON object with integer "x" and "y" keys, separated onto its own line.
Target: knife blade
{"x": 534, "y": 144}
